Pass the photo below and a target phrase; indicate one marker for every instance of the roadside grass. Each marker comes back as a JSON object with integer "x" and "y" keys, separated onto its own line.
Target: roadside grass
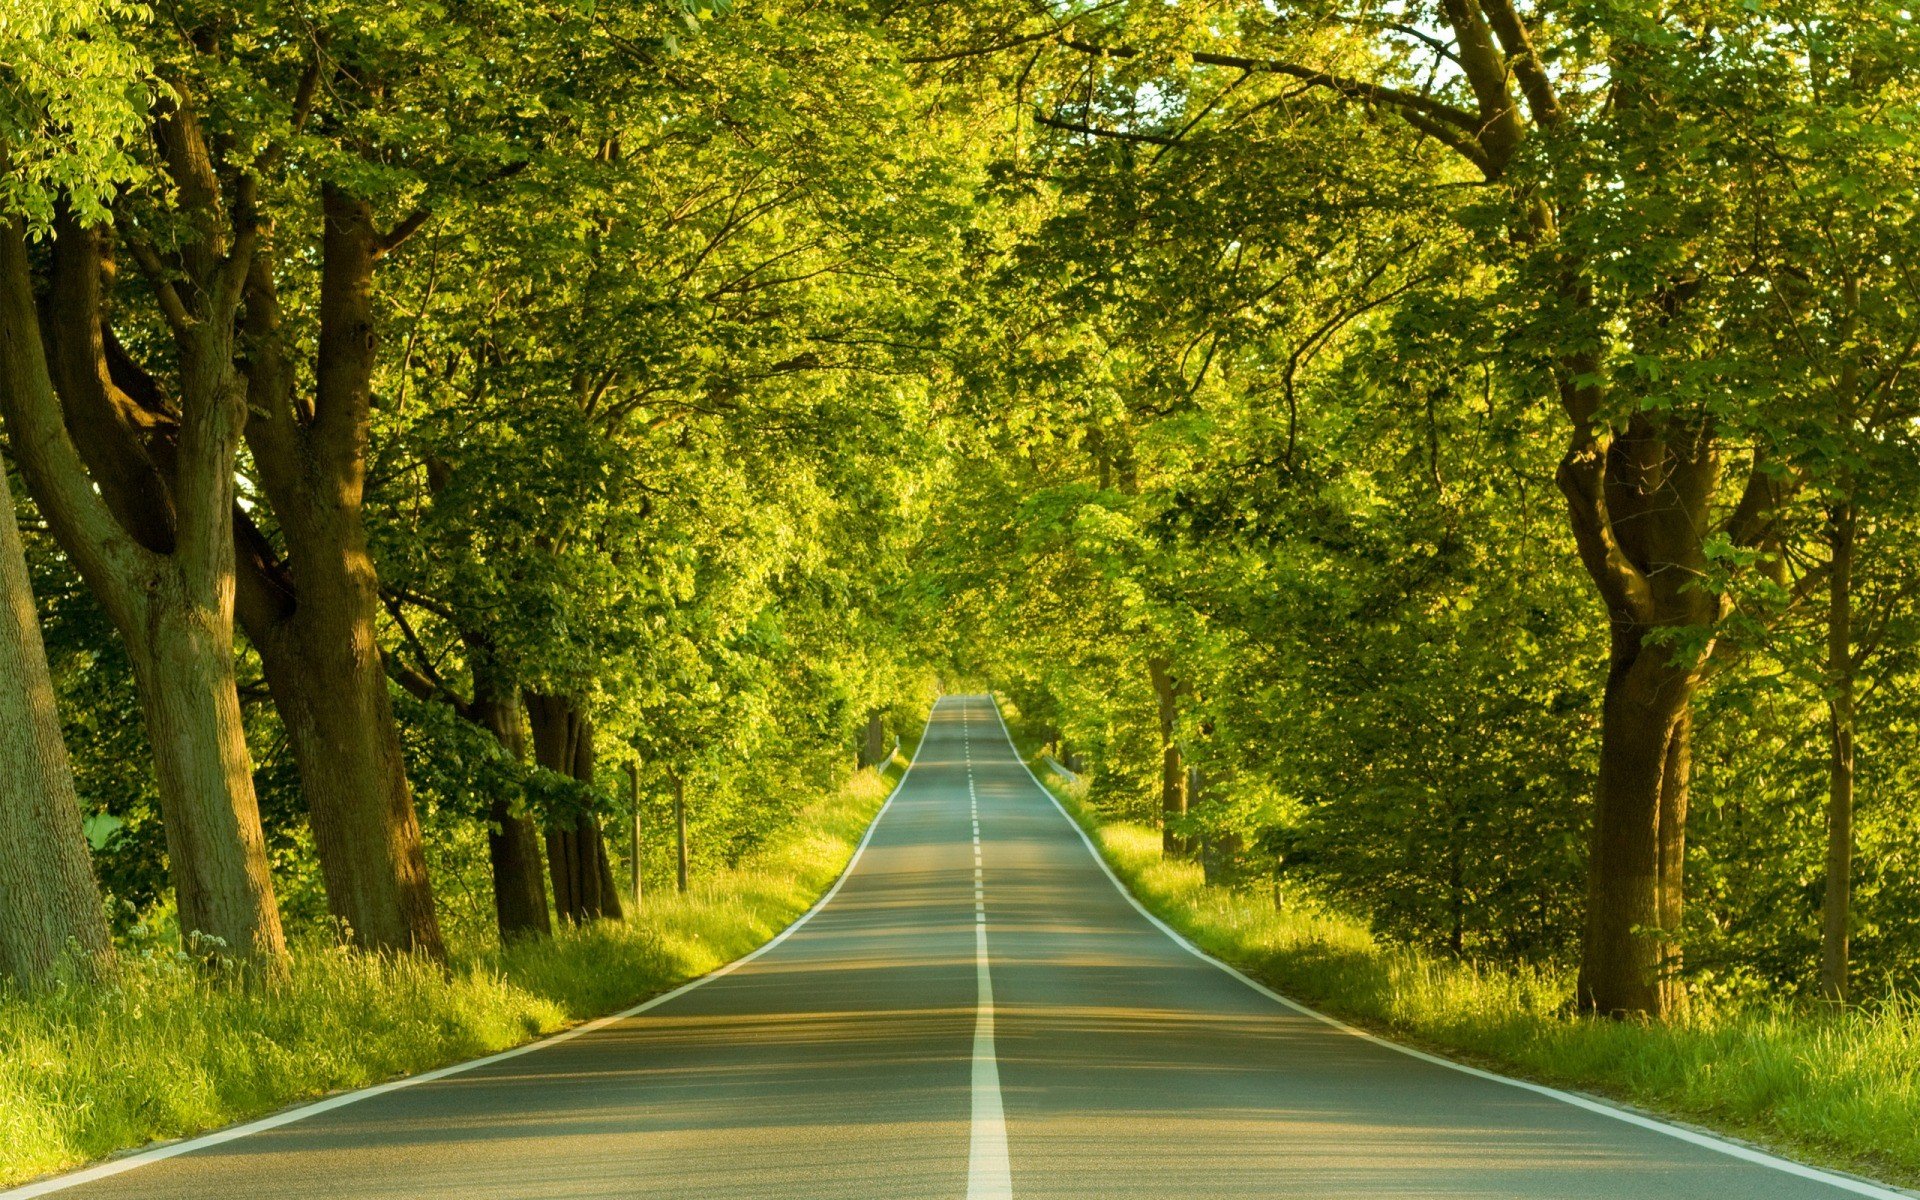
{"x": 165, "y": 1051}
{"x": 1838, "y": 1088}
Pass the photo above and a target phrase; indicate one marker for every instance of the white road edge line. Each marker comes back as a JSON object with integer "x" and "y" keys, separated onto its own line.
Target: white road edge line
{"x": 989, "y": 1172}
{"x": 120, "y": 1166}
{"x": 1860, "y": 1187}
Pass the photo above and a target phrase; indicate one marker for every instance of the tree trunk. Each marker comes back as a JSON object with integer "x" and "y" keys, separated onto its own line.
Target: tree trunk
{"x": 611, "y": 906}
{"x": 1639, "y": 500}
{"x": 605, "y": 894}
{"x": 1173, "y": 775}
{"x": 173, "y": 607}
{"x": 314, "y": 616}
{"x": 215, "y": 844}
{"x": 583, "y": 886}
{"x": 513, "y": 843}
{"x": 563, "y": 870}
{"x": 1630, "y": 953}
{"x": 635, "y": 862}
{"x": 1836, "y": 903}
{"x": 680, "y": 829}
{"x": 876, "y": 748}
{"x": 519, "y": 889}
{"x": 322, "y": 666}
{"x": 50, "y": 911}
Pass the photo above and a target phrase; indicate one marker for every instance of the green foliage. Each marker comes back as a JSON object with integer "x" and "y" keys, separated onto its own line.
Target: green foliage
{"x": 1274, "y": 385}
{"x": 1217, "y": 379}
{"x": 74, "y": 92}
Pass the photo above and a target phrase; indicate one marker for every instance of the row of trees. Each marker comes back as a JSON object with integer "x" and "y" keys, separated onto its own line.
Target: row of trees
{"x": 1457, "y": 452}
{"x": 1480, "y": 438}
{"x": 423, "y": 411}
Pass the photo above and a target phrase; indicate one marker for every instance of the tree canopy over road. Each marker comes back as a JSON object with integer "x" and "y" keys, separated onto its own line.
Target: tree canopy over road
{"x": 1454, "y": 457}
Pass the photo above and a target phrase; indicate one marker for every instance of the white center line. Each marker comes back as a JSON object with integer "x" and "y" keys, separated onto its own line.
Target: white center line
{"x": 988, "y": 1174}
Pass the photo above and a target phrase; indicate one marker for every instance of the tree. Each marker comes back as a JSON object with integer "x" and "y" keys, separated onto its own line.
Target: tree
{"x": 74, "y": 93}
{"x": 163, "y": 572}
{"x": 1591, "y": 173}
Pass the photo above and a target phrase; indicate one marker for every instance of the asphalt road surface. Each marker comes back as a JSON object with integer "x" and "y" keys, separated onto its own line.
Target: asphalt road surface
{"x": 977, "y": 1011}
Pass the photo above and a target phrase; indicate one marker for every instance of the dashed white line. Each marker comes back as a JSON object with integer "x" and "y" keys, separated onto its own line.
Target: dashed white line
{"x": 989, "y": 1176}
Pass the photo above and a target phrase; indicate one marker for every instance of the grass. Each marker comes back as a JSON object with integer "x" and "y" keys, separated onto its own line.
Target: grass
{"x": 1839, "y": 1088}
{"x": 165, "y": 1051}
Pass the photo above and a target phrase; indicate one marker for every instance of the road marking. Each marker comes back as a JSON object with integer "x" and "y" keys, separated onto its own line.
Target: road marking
{"x": 221, "y": 1137}
{"x": 1706, "y": 1141}
{"x": 989, "y": 1175}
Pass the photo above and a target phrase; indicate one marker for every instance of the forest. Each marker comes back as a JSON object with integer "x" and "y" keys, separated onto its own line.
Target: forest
{"x": 474, "y": 469}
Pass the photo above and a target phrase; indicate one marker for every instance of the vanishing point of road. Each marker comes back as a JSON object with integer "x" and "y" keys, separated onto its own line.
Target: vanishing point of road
{"x": 975, "y": 1011}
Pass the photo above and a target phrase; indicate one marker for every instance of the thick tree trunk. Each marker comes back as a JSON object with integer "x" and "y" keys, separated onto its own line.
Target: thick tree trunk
{"x": 1173, "y": 774}
{"x": 316, "y": 641}
{"x": 519, "y": 891}
{"x": 314, "y": 616}
{"x": 50, "y": 911}
{"x": 563, "y": 870}
{"x": 1676, "y": 788}
{"x": 173, "y": 607}
{"x": 1630, "y": 953}
{"x": 1640, "y": 502}
{"x": 323, "y": 670}
{"x": 611, "y": 904}
{"x": 215, "y": 844}
{"x": 876, "y": 747}
{"x": 606, "y": 890}
{"x": 1837, "y": 903}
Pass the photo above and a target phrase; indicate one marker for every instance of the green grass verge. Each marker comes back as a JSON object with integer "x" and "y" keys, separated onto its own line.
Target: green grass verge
{"x": 165, "y": 1051}
{"x": 1838, "y": 1088}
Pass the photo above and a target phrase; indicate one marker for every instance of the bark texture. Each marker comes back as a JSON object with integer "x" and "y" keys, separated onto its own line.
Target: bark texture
{"x": 164, "y": 572}
{"x": 1836, "y": 906}
{"x": 513, "y": 843}
{"x": 577, "y": 863}
{"x": 311, "y": 605}
{"x": 1630, "y": 951}
{"x": 680, "y": 832}
{"x": 1640, "y": 503}
{"x": 50, "y": 911}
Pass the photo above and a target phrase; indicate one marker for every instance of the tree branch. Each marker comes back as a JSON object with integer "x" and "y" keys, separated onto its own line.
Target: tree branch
{"x": 1523, "y": 60}
{"x": 394, "y": 238}
{"x": 1357, "y": 88}
{"x": 1151, "y": 139}
{"x": 1582, "y": 479}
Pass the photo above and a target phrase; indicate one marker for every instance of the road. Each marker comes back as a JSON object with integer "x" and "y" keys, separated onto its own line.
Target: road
{"x": 977, "y": 1011}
